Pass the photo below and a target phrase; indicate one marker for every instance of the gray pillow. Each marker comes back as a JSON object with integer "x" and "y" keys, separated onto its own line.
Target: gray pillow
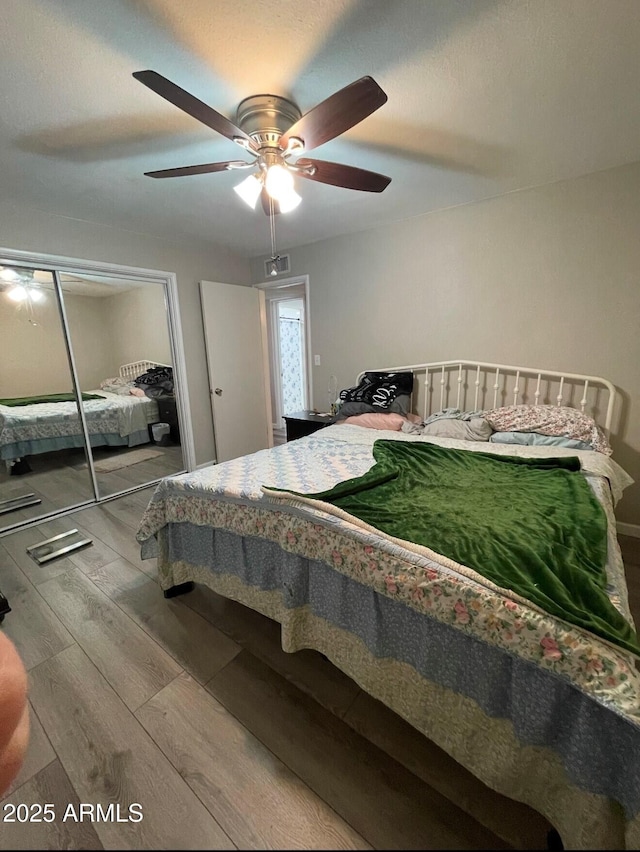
{"x": 400, "y": 405}
{"x": 476, "y": 429}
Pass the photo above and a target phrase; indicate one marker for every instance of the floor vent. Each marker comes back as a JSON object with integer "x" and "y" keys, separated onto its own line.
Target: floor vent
{"x": 281, "y": 264}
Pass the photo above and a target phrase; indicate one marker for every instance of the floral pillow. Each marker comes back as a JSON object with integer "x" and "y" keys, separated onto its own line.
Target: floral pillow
{"x": 549, "y": 420}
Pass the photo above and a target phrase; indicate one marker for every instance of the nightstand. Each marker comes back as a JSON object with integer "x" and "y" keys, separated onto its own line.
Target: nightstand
{"x": 302, "y": 423}
{"x": 168, "y": 413}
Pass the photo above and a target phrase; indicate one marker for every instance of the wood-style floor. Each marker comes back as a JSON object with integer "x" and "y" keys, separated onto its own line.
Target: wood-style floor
{"x": 189, "y": 708}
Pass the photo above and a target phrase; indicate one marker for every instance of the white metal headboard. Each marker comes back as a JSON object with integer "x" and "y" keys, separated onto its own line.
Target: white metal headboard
{"x": 478, "y": 385}
{"x": 137, "y": 368}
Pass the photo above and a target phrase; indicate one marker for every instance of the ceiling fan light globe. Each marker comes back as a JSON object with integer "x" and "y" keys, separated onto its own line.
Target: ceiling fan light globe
{"x": 278, "y": 182}
{"x": 9, "y": 274}
{"x": 289, "y": 201}
{"x": 18, "y": 293}
{"x": 35, "y": 294}
{"x": 249, "y": 190}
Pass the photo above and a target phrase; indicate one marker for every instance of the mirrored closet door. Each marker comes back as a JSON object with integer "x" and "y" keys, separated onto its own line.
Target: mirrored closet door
{"x": 43, "y": 461}
{"x": 119, "y": 335}
{"x": 90, "y": 403}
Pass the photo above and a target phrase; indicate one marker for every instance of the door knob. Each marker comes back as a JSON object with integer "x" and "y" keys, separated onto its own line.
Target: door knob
{"x": 218, "y": 391}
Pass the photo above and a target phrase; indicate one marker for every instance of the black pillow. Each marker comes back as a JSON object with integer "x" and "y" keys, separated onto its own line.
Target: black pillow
{"x": 157, "y": 381}
{"x": 379, "y": 389}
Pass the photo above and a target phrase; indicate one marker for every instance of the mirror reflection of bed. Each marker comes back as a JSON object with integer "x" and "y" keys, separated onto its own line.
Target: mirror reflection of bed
{"x": 120, "y": 343}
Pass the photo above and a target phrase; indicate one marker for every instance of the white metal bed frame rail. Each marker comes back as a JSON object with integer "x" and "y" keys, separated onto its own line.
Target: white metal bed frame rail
{"x": 459, "y": 381}
{"x": 137, "y": 368}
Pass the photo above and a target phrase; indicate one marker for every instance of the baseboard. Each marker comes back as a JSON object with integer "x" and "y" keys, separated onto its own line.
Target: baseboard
{"x": 628, "y": 529}
{"x": 206, "y": 464}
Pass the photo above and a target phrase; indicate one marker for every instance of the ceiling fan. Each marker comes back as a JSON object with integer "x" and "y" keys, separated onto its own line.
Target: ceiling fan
{"x": 272, "y": 130}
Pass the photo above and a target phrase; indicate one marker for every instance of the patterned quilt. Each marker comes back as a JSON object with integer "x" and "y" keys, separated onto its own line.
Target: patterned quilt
{"x": 230, "y": 496}
{"x": 112, "y": 414}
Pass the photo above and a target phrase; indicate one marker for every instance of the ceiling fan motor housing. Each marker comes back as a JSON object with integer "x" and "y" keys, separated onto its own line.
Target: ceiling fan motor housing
{"x": 266, "y": 117}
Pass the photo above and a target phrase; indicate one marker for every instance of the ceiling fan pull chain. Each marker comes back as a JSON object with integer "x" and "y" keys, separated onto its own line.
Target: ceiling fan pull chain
{"x": 272, "y": 222}
{"x": 273, "y": 265}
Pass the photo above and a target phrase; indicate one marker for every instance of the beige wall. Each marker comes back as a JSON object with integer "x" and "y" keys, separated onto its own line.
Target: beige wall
{"x": 33, "y": 355}
{"x": 33, "y": 358}
{"x": 548, "y": 277}
{"x": 90, "y": 339}
{"x": 137, "y": 320}
{"x": 32, "y": 230}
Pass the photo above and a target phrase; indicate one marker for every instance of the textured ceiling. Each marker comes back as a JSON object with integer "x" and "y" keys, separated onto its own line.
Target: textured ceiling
{"x": 485, "y": 97}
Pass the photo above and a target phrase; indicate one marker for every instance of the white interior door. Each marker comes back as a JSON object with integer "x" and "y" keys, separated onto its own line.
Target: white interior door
{"x": 234, "y": 328}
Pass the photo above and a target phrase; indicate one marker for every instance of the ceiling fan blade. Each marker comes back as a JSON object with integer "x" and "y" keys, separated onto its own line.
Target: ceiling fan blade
{"x": 337, "y": 113}
{"x": 191, "y": 105}
{"x": 265, "y": 198}
{"x": 204, "y": 169}
{"x": 349, "y": 177}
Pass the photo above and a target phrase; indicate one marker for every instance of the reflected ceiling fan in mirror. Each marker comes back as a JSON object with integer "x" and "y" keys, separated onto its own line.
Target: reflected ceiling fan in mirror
{"x": 273, "y": 131}
{"x": 25, "y": 284}
{"x": 20, "y": 284}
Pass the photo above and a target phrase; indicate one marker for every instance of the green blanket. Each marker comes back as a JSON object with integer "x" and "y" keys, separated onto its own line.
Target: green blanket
{"x": 51, "y": 397}
{"x": 530, "y": 525}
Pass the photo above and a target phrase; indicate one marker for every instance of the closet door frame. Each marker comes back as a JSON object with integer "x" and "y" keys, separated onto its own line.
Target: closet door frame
{"x": 59, "y": 263}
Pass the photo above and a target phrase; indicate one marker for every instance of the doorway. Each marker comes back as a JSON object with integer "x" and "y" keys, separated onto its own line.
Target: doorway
{"x": 289, "y": 347}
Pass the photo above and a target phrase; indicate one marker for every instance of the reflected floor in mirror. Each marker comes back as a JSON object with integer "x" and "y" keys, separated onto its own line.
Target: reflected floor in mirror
{"x": 61, "y": 478}
{"x": 57, "y": 479}
{"x": 120, "y": 468}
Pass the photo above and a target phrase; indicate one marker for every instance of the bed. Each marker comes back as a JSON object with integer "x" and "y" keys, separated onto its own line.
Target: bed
{"x": 540, "y": 708}
{"x": 113, "y": 420}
